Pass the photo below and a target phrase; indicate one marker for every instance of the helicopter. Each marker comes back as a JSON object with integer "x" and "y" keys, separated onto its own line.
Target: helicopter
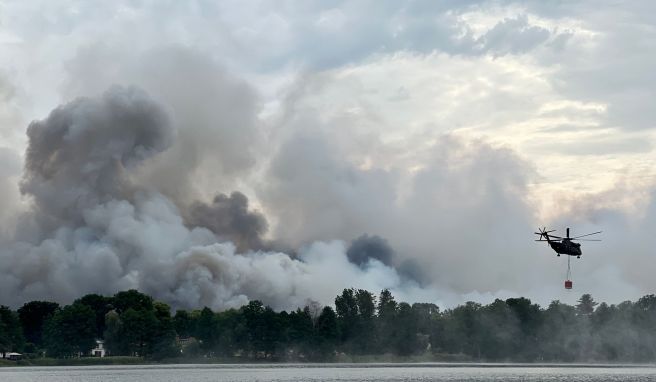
{"x": 564, "y": 245}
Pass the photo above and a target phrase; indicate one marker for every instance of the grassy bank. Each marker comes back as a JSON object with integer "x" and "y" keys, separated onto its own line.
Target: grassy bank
{"x": 342, "y": 358}
{"x": 85, "y": 361}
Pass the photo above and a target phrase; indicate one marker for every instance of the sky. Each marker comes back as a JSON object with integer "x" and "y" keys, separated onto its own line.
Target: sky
{"x": 286, "y": 150}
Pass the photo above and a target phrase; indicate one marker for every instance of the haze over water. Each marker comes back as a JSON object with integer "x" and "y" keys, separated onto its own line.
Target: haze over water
{"x": 338, "y": 372}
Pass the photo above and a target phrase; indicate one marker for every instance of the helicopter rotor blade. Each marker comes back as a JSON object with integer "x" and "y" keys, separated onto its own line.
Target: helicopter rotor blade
{"x": 594, "y": 233}
{"x": 586, "y": 239}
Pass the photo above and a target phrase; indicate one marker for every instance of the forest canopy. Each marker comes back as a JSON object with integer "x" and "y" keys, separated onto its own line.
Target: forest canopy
{"x": 360, "y": 323}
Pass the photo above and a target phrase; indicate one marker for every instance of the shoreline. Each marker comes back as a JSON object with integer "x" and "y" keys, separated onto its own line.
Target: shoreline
{"x": 227, "y": 364}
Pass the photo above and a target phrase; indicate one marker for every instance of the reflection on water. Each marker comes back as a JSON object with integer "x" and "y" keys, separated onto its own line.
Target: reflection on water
{"x": 341, "y": 372}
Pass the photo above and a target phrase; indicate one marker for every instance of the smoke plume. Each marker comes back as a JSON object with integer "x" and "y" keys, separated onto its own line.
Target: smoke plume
{"x": 230, "y": 219}
{"x": 93, "y": 228}
{"x": 368, "y": 247}
{"x": 80, "y": 156}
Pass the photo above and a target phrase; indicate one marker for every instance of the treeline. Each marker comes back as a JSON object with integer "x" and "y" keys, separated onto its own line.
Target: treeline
{"x": 132, "y": 323}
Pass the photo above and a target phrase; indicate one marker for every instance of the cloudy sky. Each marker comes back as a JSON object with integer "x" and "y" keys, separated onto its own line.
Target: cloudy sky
{"x": 447, "y": 131}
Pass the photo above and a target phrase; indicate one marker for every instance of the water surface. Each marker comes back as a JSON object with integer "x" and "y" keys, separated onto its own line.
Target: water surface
{"x": 332, "y": 372}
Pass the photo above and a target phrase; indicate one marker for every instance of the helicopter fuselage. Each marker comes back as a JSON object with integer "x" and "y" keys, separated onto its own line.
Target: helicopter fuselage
{"x": 566, "y": 247}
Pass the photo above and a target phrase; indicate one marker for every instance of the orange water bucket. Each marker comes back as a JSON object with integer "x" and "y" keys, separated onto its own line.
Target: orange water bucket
{"x": 568, "y": 284}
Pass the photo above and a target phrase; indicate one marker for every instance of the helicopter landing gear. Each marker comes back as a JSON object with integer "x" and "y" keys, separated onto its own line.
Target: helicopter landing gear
{"x": 558, "y": 254}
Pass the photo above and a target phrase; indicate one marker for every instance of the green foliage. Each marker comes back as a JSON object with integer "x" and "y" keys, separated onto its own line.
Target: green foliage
{"x": 11, "y": 333}
{"x": 183, "y": 323}
{"x": 356, "y": 313}
{"x": 346, "y": 307}
{"x": 327, "y": 332}
{"x": 101, "y": 305}
{"x": 232, "y": 332}
{"x": 206, "y": 329}
{"x": 131, "y": 299}
{"x": 360, "y": 326}
{"x": 586, "y": 305}
{"x": 143, "y": 329}
{"x": 32, "y": 316}
{"x": 405, "y": 333}
{"x": 387, "y": 311}
{"x": 112, "y": 335}
{"x": 71, "y": 331}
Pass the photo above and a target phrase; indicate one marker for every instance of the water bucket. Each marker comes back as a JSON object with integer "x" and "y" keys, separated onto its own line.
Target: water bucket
{"x": 568, "y": 284}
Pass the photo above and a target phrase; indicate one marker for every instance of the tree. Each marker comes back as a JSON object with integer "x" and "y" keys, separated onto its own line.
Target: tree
{"x": 529, "y": 317}
{"x": 346, "y": 307}
{"x": 206, "y": 329}
{"x": 71, "y": 331}
{"x": 263, "y": 329}
{"x": 138, "y": 328}
{"x": 100, "y": 305}
{"x": 558, "y": 334}
{"x": 405, "y": 338}
{"x": 387, "y": 311}
{"x": 426, "y": 314}
{"x": 232, "y": 332}
{"x": 645, "y": 313}
{"x": 327, "y": 332}
{"x": 271, "y": 334}
{"x": 462, "y": 330}
{"x": 162, "y": 344}
{"x": 183, "y": 323}
{"x": 32, "y": 316}
{"x": 300, "y": 330}
{"x": 11, "y": 334}
{"x": 500, "y": 334}
{"x": 386, "y": 304}
{"x": 586, "y": 305}
{"x": 122, "y": 301}
{"x": 114, "y": 342}
{"x": 365, "y": 336}
{"x": 314, "y": 309}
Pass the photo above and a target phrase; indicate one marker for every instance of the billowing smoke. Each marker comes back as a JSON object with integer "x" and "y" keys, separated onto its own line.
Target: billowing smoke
{"x": 230, "y": 219}
{"x": 366, "y": 247}
{"x": 92, "y": 228}
{"x": 136, "y": 189}
{"x": 94, "y": 225}
{"x": 79, "y": 156}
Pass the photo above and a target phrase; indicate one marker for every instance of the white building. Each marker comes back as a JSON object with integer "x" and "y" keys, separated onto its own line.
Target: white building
{"x": 13, "y": 356}
{"x": 99, "y": 350}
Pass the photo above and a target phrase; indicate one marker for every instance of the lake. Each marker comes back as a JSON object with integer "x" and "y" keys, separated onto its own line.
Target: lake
{"x": 332, "y": 372}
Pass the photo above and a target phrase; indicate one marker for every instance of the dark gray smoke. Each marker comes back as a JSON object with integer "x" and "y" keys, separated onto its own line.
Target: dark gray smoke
{"x": 81, "y": 154}
{"x": 366, "y": 247}
{"x": 230, "y": 219}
